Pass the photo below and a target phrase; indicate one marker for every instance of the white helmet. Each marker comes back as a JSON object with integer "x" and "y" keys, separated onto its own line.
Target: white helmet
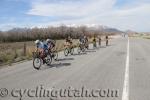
{"x": 48, "y": 40}
{"x": 37, "y": 41}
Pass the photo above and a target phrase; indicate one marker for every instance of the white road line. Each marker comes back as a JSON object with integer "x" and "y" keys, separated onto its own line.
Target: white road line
{"x": 125, "y": 94}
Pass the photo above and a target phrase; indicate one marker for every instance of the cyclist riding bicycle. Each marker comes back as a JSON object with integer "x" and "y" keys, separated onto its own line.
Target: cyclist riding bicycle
{"x": 41, "y": 47}
{"x": 94, "y": 41}
{"x": 86, "y": 39}
{"x": 107, "y": 40}
{"x": 81, "y": 40}
{"x": 51, "y": 48}
{"x": 68, "y": 42}
{"x": 99, "y": 40}
{"x": 51, "y": 44}
{"x": 86, "y": 42}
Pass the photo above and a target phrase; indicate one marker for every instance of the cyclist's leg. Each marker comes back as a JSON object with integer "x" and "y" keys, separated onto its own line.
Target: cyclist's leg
{"x": 107, "y": 42}
{"x": 43, "y": 55}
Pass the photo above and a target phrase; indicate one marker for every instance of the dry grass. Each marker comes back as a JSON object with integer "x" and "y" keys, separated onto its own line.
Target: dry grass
{"x": 146, "y": 37}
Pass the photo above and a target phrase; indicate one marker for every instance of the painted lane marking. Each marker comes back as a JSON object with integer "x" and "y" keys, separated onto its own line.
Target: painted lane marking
{"x": 125, "y": 94}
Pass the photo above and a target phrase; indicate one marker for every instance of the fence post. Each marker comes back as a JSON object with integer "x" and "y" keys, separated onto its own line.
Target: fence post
{"x": 24, "y": 49}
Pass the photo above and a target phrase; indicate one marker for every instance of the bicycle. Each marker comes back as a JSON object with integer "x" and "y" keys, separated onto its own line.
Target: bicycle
{"x": 106, "y": 42}
{"x": 37, "y": 59}
{"x": 81, "y": 48}
{"x": 94, "y": 44}
{"x": 68, "y": 50}
{"x": 54, "y": 54}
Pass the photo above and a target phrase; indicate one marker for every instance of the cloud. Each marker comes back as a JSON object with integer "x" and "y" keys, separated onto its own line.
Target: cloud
{"x": 133, "y": 14}
{"x": 104, "y": 12}
{"x": 136, "y": 18}
{"x": 5, "y": 27}
{"x": 74, "y": 8}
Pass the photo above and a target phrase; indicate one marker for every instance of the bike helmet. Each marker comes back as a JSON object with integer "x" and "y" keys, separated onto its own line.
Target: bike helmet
{"x": 37, "y": 41}
{"x": 48, "y": 40}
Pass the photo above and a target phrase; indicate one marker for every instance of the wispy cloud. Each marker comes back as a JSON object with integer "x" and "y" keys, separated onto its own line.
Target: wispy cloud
{"x": 122, "y": 14}
{"x": 96, "y": 12}
{"x": 82, "y": 8}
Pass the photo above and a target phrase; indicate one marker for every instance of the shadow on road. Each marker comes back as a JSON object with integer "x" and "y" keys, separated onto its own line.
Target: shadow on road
{"x": 110, "y": 45}
{"x": 64, "y": 59}
{"x": 91, "y": 51}
{"x": 58, "y": 65}
{"x": 83, "y": 53}
{"x": 102, "y": 47}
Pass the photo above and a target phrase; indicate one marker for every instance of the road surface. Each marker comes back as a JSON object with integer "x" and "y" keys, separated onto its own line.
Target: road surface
{"x": 121, "y": 73}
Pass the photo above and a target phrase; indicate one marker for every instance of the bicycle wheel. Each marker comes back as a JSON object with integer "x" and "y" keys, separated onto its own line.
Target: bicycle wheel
{"x": 83, "y": 49}
{"x": 94, "y": 45}
{"x": 79, "y": 50}
{"x": 37, "y": 62}
{"x": 72, "y": 51}
{"x": 66, "y": 52}
{"x": 87, "y": 46}
{"x": 49, "y": 59}
{"x": 55, "y": 55}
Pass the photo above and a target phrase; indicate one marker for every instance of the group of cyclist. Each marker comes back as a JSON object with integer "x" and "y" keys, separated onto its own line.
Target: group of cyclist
{"x": 48, "y": 45}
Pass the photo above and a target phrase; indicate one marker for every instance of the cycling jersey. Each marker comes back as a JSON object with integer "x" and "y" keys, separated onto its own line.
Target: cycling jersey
{"x": 94, "y": 40}
{"x": 42, "y": 45}
{"x": 81, "y": 40}
{"x": 51, "y": 44}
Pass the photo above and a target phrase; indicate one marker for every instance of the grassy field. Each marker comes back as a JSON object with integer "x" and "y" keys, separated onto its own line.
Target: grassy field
{"x": 14, "y": 52}
{"x": 146, "y": 37}
{"x": 142, "y": 36}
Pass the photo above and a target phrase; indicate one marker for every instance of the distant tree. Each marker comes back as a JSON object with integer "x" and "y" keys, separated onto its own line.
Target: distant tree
{"x": 60, "y": 32}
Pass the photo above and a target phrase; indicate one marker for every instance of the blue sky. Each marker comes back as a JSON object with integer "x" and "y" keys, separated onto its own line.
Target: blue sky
{"x": 121, "y": 14}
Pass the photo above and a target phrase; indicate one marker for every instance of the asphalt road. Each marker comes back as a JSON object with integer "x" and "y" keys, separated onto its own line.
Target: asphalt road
{"x": 98, "y": 69}
{"x": 139, "y": 69}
